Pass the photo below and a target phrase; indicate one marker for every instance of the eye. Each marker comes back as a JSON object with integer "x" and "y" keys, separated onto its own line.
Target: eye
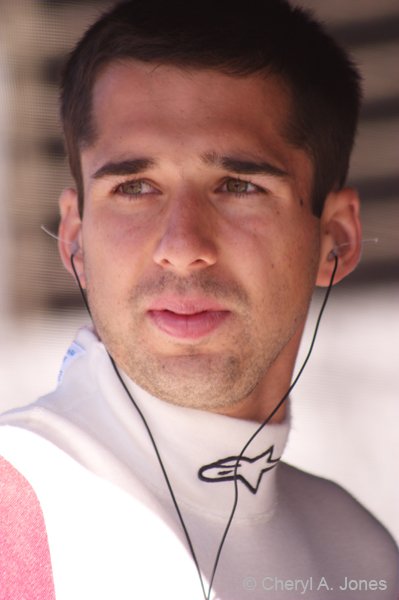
{"x": 238, "y": 186}
{"x": 135, "y": 188}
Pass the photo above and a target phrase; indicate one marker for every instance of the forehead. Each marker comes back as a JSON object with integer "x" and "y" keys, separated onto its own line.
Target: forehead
{"x": 182, "y": 114}
{"x": 193, "y": 87}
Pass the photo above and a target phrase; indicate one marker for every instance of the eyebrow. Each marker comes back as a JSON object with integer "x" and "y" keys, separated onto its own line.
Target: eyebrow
{"x": 240, "y": 166}
{"x": 125, "y": 167}
{"x": 243, "y": 166}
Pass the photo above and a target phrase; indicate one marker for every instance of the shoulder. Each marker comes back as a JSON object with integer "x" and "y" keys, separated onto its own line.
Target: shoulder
{"x": 329, "y": 512}
{"x": 56, "y": 515}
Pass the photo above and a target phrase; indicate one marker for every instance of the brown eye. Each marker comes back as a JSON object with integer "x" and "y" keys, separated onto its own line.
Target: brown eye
{"x": 236, "y": 186}
{"x": 132, "y": 187}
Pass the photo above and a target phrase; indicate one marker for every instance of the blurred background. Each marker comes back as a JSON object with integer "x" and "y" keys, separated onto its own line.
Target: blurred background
{"x": 345, "y": 410}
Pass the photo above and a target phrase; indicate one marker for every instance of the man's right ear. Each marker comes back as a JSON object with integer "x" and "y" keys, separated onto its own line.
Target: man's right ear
{"x": 70, "y": 234}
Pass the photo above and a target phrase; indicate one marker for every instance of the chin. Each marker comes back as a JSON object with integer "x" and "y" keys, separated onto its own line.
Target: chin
{"x": 202, "y": 382}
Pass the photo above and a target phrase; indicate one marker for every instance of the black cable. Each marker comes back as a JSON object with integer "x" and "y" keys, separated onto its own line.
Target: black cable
{"x": 151, "y": 437}
{"x": 79, "y": 284}
{"x": 164, "y": 474}
{"x": 284, "y": 398}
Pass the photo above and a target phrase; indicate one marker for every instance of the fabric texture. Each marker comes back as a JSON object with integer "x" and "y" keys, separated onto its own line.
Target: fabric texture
{"x": 25, "y": 562}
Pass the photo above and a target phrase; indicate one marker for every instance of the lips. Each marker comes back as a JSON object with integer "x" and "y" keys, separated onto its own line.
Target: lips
{"x": 187, "y": 318}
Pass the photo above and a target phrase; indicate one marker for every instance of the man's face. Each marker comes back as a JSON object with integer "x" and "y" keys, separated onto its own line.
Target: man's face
{"x": 200, "y": 247}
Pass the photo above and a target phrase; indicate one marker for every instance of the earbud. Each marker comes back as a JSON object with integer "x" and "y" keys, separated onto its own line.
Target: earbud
{"x": 75, "y": 246}
{"x": 340, "y": 249}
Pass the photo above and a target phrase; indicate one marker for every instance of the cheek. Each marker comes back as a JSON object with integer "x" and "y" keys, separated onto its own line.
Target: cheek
{"x": 115, "y": 246}
{"x": 276, "y": 259}
{"x": 249, "y": 252}
{"x": 258, "y": 243}
{"x": 300, "y": 265}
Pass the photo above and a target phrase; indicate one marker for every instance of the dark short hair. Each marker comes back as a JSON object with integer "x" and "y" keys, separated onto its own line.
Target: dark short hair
{"x": 236, "y": 37}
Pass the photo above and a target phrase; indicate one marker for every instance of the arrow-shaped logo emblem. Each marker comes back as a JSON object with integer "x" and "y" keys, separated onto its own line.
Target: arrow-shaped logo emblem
{"x": 249, "y": 470}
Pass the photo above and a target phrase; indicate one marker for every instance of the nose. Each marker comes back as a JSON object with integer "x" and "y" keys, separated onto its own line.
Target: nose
{"x": 187, "y": 242}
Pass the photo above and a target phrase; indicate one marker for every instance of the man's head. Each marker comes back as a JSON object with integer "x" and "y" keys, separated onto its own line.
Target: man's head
{"x": 237, "y": 37}
{"x": 201, "y": 246}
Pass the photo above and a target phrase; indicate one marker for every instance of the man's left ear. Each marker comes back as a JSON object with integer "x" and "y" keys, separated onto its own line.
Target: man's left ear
{"x": 340, "y": 235}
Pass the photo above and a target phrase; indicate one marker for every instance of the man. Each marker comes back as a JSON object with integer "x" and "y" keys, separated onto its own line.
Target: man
{"x": 210, "y": 145}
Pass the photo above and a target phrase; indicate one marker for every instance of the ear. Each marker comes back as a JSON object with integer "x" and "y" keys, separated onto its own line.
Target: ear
{"x": 341, "y": 233}
{"x": 70, "y": 234}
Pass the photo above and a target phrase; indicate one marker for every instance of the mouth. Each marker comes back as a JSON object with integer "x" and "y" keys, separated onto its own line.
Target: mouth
{"x": 187, "y": 319}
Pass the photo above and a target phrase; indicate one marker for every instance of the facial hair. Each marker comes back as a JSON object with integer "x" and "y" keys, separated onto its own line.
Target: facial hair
{"x": 194, "y": 376}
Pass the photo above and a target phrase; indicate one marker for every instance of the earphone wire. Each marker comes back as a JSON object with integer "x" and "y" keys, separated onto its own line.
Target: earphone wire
{"x": 151, "y": 438}
{"x": 258, "y": 430}
{"x": 164, "y": 474}
{"x": 79, "y": 284}
{"x": 265, "y": 422}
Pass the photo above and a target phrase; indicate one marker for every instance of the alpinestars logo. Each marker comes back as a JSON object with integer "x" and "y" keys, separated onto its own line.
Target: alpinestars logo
{"x": 249, "y": 470}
